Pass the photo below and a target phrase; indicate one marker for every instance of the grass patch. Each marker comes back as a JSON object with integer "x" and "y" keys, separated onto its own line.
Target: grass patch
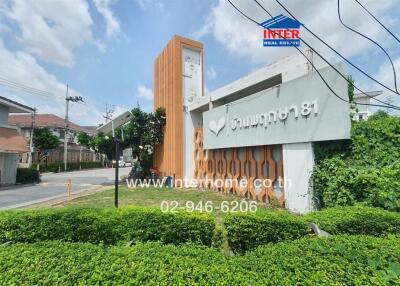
{"x": 153, "y": 197}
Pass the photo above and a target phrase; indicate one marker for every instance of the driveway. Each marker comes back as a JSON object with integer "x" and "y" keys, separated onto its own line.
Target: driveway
{"x": 53, "y": 186}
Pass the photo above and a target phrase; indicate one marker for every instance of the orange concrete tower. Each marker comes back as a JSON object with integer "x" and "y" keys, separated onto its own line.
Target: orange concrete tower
{"x": 178, "y": 80}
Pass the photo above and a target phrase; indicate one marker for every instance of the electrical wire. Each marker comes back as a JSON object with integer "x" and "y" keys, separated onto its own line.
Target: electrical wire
{"x": 24, "y": 88}
{"x": 312, "y": 64}
{"x": 376, "y": 19}
{"x": 325, "y": 60}
{"x": 371, "y": 40}
{"x": 334, "y": 50}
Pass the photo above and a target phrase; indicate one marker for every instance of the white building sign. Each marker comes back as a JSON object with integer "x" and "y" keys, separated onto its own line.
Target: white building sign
{"x": 301, "y": 110}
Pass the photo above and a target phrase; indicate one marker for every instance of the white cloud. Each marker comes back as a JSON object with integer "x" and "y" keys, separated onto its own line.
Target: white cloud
{"x": 21, "y": 67}
{"x": 143, "y": 4}
{"x": 112, "y": 24}
{"x": 211, "y": 73}
{"x": 242, "y": 37}
{"x": 144, "y": 92}
{"x": 52, "y": 30}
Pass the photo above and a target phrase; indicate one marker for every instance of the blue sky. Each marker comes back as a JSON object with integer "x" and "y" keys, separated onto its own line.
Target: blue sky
{"x": 105, "y": 49}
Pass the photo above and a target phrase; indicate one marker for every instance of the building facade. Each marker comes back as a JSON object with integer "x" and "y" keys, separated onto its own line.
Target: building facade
{"x": 56, "y": 124}
{"x": 12, "y": 143}
{"x": 257, "y": 131}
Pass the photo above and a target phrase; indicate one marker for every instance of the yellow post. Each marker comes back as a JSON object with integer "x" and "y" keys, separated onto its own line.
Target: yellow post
{"x": 69, "y": 187}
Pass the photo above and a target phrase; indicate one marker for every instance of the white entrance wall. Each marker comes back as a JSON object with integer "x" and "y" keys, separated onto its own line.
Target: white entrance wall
{"x": 298, "y": 162}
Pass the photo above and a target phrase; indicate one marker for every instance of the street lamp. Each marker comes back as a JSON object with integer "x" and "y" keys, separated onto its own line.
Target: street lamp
{"x": 110, "y": 127}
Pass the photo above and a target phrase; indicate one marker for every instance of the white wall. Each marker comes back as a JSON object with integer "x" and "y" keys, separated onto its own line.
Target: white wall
{"x": 298, "y": 162}
{"x": 8, "y": 168}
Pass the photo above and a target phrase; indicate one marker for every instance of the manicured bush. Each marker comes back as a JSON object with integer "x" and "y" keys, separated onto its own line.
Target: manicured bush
{"x": 109, "y": 226}
{"x": 312, "y": 261}
{"x": 27, "y": 175}
{"x": 357, "y": 220}
{"x": 352, "y": 260}
{"x": 246, "y": 231}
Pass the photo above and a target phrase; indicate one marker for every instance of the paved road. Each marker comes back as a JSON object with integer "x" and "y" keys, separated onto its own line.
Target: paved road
{"x": 54, "y": 186}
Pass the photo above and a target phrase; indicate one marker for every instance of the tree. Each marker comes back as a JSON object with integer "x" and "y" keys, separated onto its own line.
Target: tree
{"x": 84, "y": 139}
{"x": 45, "y": 141}
{"x": 103, "y": 144}
{"x": 144, "y": 132}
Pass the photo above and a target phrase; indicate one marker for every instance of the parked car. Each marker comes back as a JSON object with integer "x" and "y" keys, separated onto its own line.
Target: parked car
{"x": 122, "y": 163}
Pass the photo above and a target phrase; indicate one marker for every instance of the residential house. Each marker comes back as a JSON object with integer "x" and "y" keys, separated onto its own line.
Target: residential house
{"x": 56, "y": 124}
{"x": 364, "y": 111}
{"x": 12, "y": 143}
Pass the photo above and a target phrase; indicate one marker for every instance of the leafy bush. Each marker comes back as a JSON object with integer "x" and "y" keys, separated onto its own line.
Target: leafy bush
{"x": 27, "y": 175}
{"x": 331, "y": 181}
{"x": 246, "y": 231}
{"x": 337, "y": 261}
{"x": 357, "y": 220}
{"x": 109, "y": 226}
{"x": 329, "y": 149}
{"x": 337, "y": 183}
{"x": 371, "y": 172}
{"x": 376, "y": 142}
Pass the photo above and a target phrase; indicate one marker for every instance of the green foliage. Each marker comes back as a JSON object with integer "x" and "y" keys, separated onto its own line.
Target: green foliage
{"x": 109, "y": 226}
{"x": 144, "y": 131}
{"x": 357, "y": 220}
{"x": 369, "y": 173}
{"x": 337, "y": 261}
{"x": 329, "y": 149}
{"x": 27, "y": 175}
{"x": 331, "y": 183}
{"x": 44, "y": 139}
{"x": 246, "y": 231}
{"x": 376, "y": 142}
{"x": 104, "y": 144}
{"x": 337, "y": 183}
{"x": 71, "y": 166}
{"x": 84, "y": 139}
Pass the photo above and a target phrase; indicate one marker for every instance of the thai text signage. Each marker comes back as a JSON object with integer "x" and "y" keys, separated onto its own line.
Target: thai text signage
{"x": 301, "y": 110}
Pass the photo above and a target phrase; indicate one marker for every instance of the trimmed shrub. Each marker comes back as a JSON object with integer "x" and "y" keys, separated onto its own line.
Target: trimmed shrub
{"x": 336, "y": 261}
{"x": 357, "y": 220}
{"x": 346, "y": 260}
{"x": 246, "y": 231}
{"x": 27, "y": 175}
{"x": 109, "y": 226}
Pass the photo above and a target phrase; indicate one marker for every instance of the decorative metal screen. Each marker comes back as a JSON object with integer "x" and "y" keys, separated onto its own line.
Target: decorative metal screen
{"x": 261, "y": 163}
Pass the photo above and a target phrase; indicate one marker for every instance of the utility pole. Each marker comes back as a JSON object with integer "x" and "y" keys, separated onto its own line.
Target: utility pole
{"x": 31, "y": 138}
{"x": 67, "y": 100}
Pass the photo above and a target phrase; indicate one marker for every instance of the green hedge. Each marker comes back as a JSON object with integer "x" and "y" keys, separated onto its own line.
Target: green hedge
{"x": 27, "y": 175}
{"x": 109, "y": 226}
{"x": 246, "y": 231}
{"x": 73, "y": 166}
{"x": 336, "y": 261}
{"x": 357, "y": 220}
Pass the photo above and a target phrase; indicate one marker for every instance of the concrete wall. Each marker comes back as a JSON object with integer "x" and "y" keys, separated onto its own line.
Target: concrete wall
{"x": 8, "y": 168}
{"x": 298, "y": 162}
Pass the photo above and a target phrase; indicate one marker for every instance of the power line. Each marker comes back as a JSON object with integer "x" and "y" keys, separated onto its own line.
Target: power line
{"x": 322, "y": 78}
{"x": 333, "y": 49}
{"x": 371, "y": 40}
{"x": 376, "y": 19}
{"x": 24, "y": 88}
{"x": 324, "y": 59}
